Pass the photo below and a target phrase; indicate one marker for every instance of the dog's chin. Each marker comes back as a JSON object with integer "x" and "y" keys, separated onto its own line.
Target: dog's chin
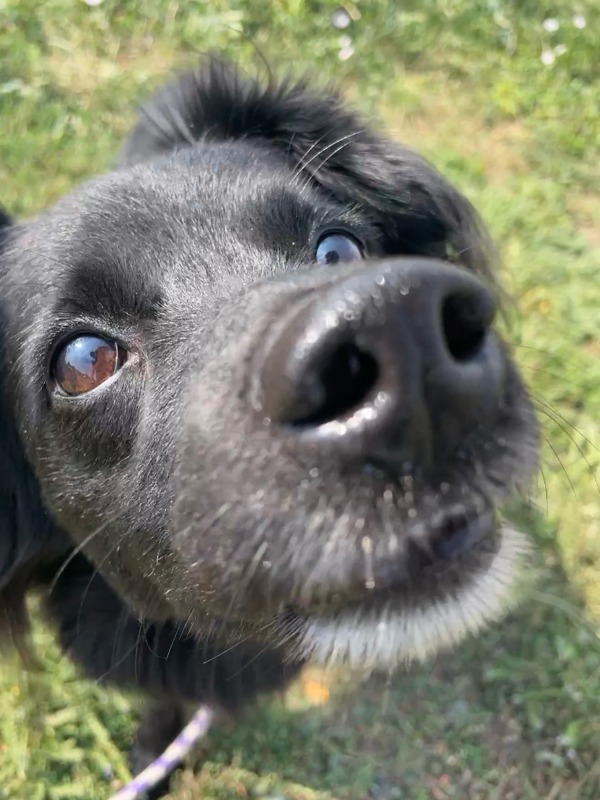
{"x": 385, "y": 636}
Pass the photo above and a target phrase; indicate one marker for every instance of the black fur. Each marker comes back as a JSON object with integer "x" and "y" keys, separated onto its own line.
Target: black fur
{"x": 30, "y": 542}
{"x": 172, "y": 530}
{"x": 419, "y": 211}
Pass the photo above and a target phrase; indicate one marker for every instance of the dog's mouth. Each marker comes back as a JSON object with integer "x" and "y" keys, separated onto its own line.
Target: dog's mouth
{"x": 377, "y": 600}
{"x": 466, "y": 578}
{"x": 415, "y": 568}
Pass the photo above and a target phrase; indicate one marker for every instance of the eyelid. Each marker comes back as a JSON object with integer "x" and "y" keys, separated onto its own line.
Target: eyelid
{"x": 340, "y": 229}
{"x": 74, "y": 329}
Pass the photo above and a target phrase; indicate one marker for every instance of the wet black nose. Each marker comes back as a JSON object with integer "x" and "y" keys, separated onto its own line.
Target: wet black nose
{"x": 393, "y": 364}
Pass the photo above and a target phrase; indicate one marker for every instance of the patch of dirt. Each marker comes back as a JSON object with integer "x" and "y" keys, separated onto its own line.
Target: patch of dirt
{"x": 449, "y": 119}
{"x": 80, "y": 71}
{"x": 585, "y": 208}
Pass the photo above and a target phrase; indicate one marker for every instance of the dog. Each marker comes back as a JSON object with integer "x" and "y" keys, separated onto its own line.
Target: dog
{"x": 254, "y": 411}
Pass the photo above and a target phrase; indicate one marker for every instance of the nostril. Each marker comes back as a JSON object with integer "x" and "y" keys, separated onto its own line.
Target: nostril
{"x": 337, "y": 386}
{"x": 465, "y": 325}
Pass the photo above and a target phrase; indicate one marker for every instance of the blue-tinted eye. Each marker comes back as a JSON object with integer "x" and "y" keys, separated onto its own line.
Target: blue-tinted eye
{"x": 338, "y": 248}
{"x": 86, "y": 362}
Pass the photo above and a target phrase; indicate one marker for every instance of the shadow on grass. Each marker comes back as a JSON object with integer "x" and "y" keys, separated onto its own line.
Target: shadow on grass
{"x": 514, "y": 713}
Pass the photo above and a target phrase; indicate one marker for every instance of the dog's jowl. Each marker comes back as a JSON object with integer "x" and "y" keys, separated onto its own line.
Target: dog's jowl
{"x": 253, "y": 407}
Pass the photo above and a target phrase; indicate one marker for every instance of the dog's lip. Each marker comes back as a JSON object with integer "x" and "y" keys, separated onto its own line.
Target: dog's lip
{"x": 384, "y": 636}
{"x": 452, "y": 538}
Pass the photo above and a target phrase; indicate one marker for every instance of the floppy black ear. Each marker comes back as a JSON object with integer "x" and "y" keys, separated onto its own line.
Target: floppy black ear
{"x": 419, "y": 210}
{"x": 30, "y": 542}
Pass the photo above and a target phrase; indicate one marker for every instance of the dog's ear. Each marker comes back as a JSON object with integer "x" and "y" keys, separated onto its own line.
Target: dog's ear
{"x": 420, "y": 212}
{"x": 30, "y": 543}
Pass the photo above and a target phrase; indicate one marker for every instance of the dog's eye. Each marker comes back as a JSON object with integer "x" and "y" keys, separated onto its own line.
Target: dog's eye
{"x": 338, "y": 248}
{"x": 86, "y": 362}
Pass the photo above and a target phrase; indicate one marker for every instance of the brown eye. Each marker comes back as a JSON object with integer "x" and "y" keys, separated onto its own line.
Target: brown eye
{"x": 86, "y": 362}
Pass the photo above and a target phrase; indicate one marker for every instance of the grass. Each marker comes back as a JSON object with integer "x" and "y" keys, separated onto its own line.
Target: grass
{"x": 516, "y": 713}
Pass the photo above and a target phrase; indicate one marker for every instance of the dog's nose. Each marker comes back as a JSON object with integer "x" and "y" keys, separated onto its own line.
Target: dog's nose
{"x": 393, "y": 365}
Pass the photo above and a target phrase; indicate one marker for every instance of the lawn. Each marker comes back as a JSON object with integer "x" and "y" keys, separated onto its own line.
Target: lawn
{"x": 504, "y": 97}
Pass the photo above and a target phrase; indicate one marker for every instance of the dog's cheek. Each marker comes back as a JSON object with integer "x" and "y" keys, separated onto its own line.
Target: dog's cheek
{"x": 104, "y": 471}
{"x": 85, "y": 460}
{"x": 30, "y": 541}
{"x": 96, "y": 432}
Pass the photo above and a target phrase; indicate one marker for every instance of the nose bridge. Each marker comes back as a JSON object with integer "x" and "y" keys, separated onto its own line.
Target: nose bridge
{"x": 405, "y": 297}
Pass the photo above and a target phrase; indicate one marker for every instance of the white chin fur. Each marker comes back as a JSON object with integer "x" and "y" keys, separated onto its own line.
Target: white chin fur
{"x": 385, "y": 638}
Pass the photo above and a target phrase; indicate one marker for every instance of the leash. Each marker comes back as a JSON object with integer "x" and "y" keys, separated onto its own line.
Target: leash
{"x": 162, "y": 766}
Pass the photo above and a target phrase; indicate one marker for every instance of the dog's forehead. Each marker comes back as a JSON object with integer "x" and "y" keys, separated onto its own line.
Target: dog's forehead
{"x": 199, "y": 210}
{"x": 191, "y": 189}
{"x": 219, "y": 215}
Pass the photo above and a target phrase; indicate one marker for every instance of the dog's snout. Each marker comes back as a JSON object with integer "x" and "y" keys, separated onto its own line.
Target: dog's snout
{"x": 392, "y": 364}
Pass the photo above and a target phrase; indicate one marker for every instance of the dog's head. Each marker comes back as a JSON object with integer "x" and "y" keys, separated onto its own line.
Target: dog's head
{"x": 253, "y": 375}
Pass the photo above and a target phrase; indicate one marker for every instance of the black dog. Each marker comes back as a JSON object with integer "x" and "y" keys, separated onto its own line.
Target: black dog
{"x": 252, "y": 408}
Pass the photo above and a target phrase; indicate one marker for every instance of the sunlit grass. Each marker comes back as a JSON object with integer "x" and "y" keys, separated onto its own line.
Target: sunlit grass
{"x": 507, "y": 105}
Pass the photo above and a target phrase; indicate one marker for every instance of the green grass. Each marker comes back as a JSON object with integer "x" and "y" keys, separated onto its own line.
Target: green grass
{"x": 515, "y": 713}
